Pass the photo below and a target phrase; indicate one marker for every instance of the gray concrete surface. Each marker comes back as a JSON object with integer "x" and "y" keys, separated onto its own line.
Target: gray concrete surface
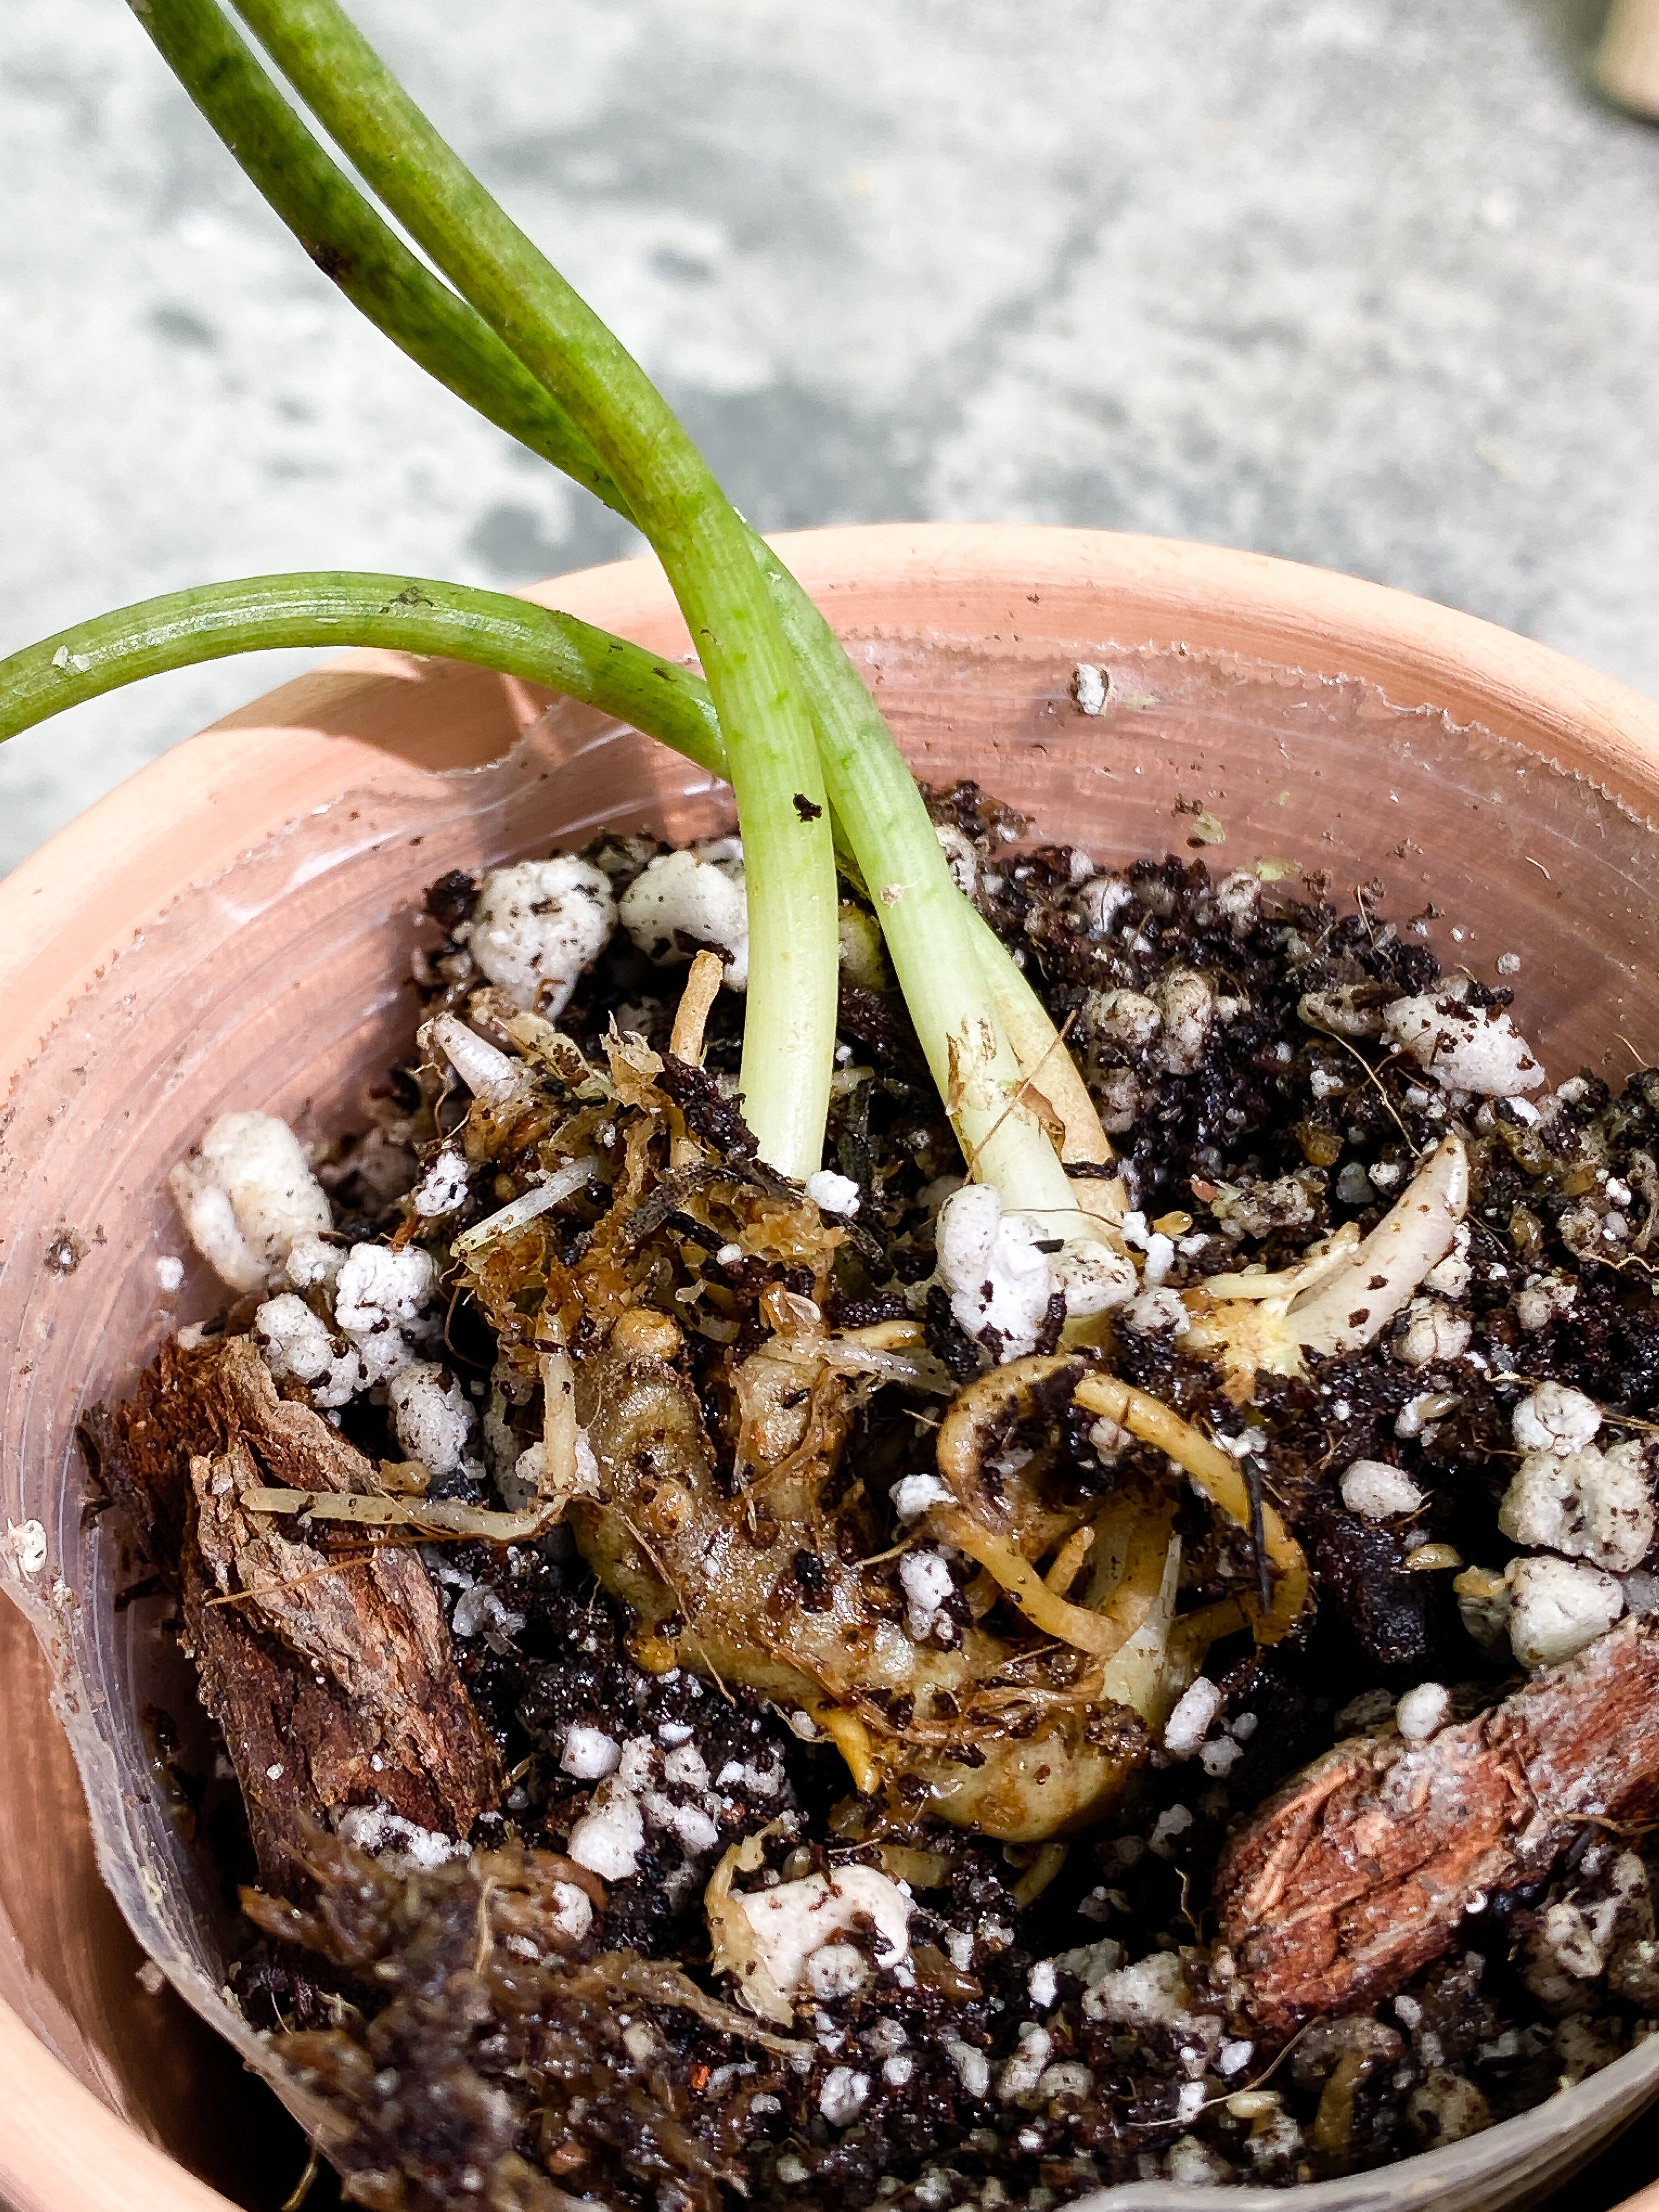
{"x": 1369, "y": 283}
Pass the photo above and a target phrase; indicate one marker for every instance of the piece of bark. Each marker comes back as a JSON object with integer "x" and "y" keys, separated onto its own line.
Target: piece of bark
{"x": 1355, "y": 1875}
{"x": 333, "y": 1680}
{"x": 140, "y": 1451}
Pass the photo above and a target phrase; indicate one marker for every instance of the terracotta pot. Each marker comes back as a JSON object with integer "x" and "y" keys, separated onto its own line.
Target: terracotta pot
{"x": 229, "y": 927}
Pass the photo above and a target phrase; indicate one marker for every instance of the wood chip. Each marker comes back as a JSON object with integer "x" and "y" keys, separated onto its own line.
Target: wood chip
{"x": 334, "y": 1682}
{"x": 1355, "y": 1877}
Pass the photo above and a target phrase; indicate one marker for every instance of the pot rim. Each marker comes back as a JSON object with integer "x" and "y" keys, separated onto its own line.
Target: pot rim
{"x": 66, "y": 2149}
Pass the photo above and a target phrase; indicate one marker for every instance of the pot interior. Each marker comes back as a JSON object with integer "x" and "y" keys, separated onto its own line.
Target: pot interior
{"x": 280, "y": 985}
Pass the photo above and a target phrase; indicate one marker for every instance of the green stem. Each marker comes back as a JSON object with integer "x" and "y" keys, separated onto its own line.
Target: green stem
{"x": 1049, "y": 1068}
{"x": 789, "y": 1034}
{"x": 352, "y": 246}
{"x": 935, "y": 938}
{"x": 408, "y": 614}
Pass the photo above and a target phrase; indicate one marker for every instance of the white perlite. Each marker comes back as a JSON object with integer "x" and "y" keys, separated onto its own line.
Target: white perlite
{"x": 313, "y": 1260}
{"x": 1543, "y": 1302}
{"x": 1193, "y": 2163}
{"x": 537, "y": 925}
{"x": 1238, "y": 900}
{"x": 1450, "y": 1277}
{"x": 588, "y": 1753}
{"x": 925, "y": 1578}
{"x": 1187, "y": 1001}
{"x": 681, "y": 903}
{"x": 912, "y": 1495}
{"x": 246, "y": 1193}
{"x": 1172, "y": 1822}
{"x": 1021, "y": 2073}
{"x": 1191, "y": 1721}
{"x": 1090, "y": 688}
{"x": 1154, "y": 1309}
{"x": 959, "y": 850}
{"x": 378, "y": 1297}
{"x": 480, "y": 1612}
{"x": 1042, "y": 1985}
{"x": 1376, "y": 1491}
{"x": 1153, "y": 1993}
{"x": 1160, "y": 1259}
{"x": 1422, "y": 1711}
{"x": 296, "y": 1344}
{"x": 572, "y": 1911}
{"x": 997, "y": 1277}
{"x": 396, "y": 1843}
{"x": 25, "y": 1546}
{"x": 442, "y": 1187}
{"x": 1557, "y": 1608}
{"x": 973, "y": 2067}
{"x": 1433, "y": 1333}
{"x": 1100, "y": 901}
{"x": 611, "y": 1835}
{"x": 1446, "y": 2107}
{"x": 1590, "y": 1504}
{"x": 1000, "y": 1281}
{"x": 1461, "y": 1047}
{"x": 839, "y": 1970}
{"x": 863, "y": 960}
{"x": 1555, "y": 1418}
{"x": 431, "y": 1416}
{"x": 792, "y": 1923}
{"x": 843, "y": 2096}
{"x": 1125, "y": 1018}
{"x": 833, "y": 1194}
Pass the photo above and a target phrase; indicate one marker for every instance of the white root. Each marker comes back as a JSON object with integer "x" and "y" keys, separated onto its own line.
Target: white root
{"x": 1351, "y": 1307}
{"x": 1315, "y": 1267}
{"x": 487, "y": 1072}
{"x": 561, "y": 1182}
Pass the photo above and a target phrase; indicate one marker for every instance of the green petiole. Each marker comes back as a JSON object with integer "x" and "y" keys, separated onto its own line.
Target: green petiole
{"x": 771, "y": 744}
{"x": 406, "y": 614}
{"x": 336, "y": 609}
{"x": 417, "y": 614}
{"x": 354, "y": 249}
{"x": 943, "y": 953}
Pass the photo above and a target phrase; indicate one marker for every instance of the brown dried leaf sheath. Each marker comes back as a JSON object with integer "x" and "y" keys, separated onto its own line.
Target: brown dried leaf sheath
{"x": 1355, "y": 1877}
{"x": 334, "y": 1684}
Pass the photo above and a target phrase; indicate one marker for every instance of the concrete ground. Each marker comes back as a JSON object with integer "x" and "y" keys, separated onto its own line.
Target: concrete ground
{"x": 1369, "y": 283}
